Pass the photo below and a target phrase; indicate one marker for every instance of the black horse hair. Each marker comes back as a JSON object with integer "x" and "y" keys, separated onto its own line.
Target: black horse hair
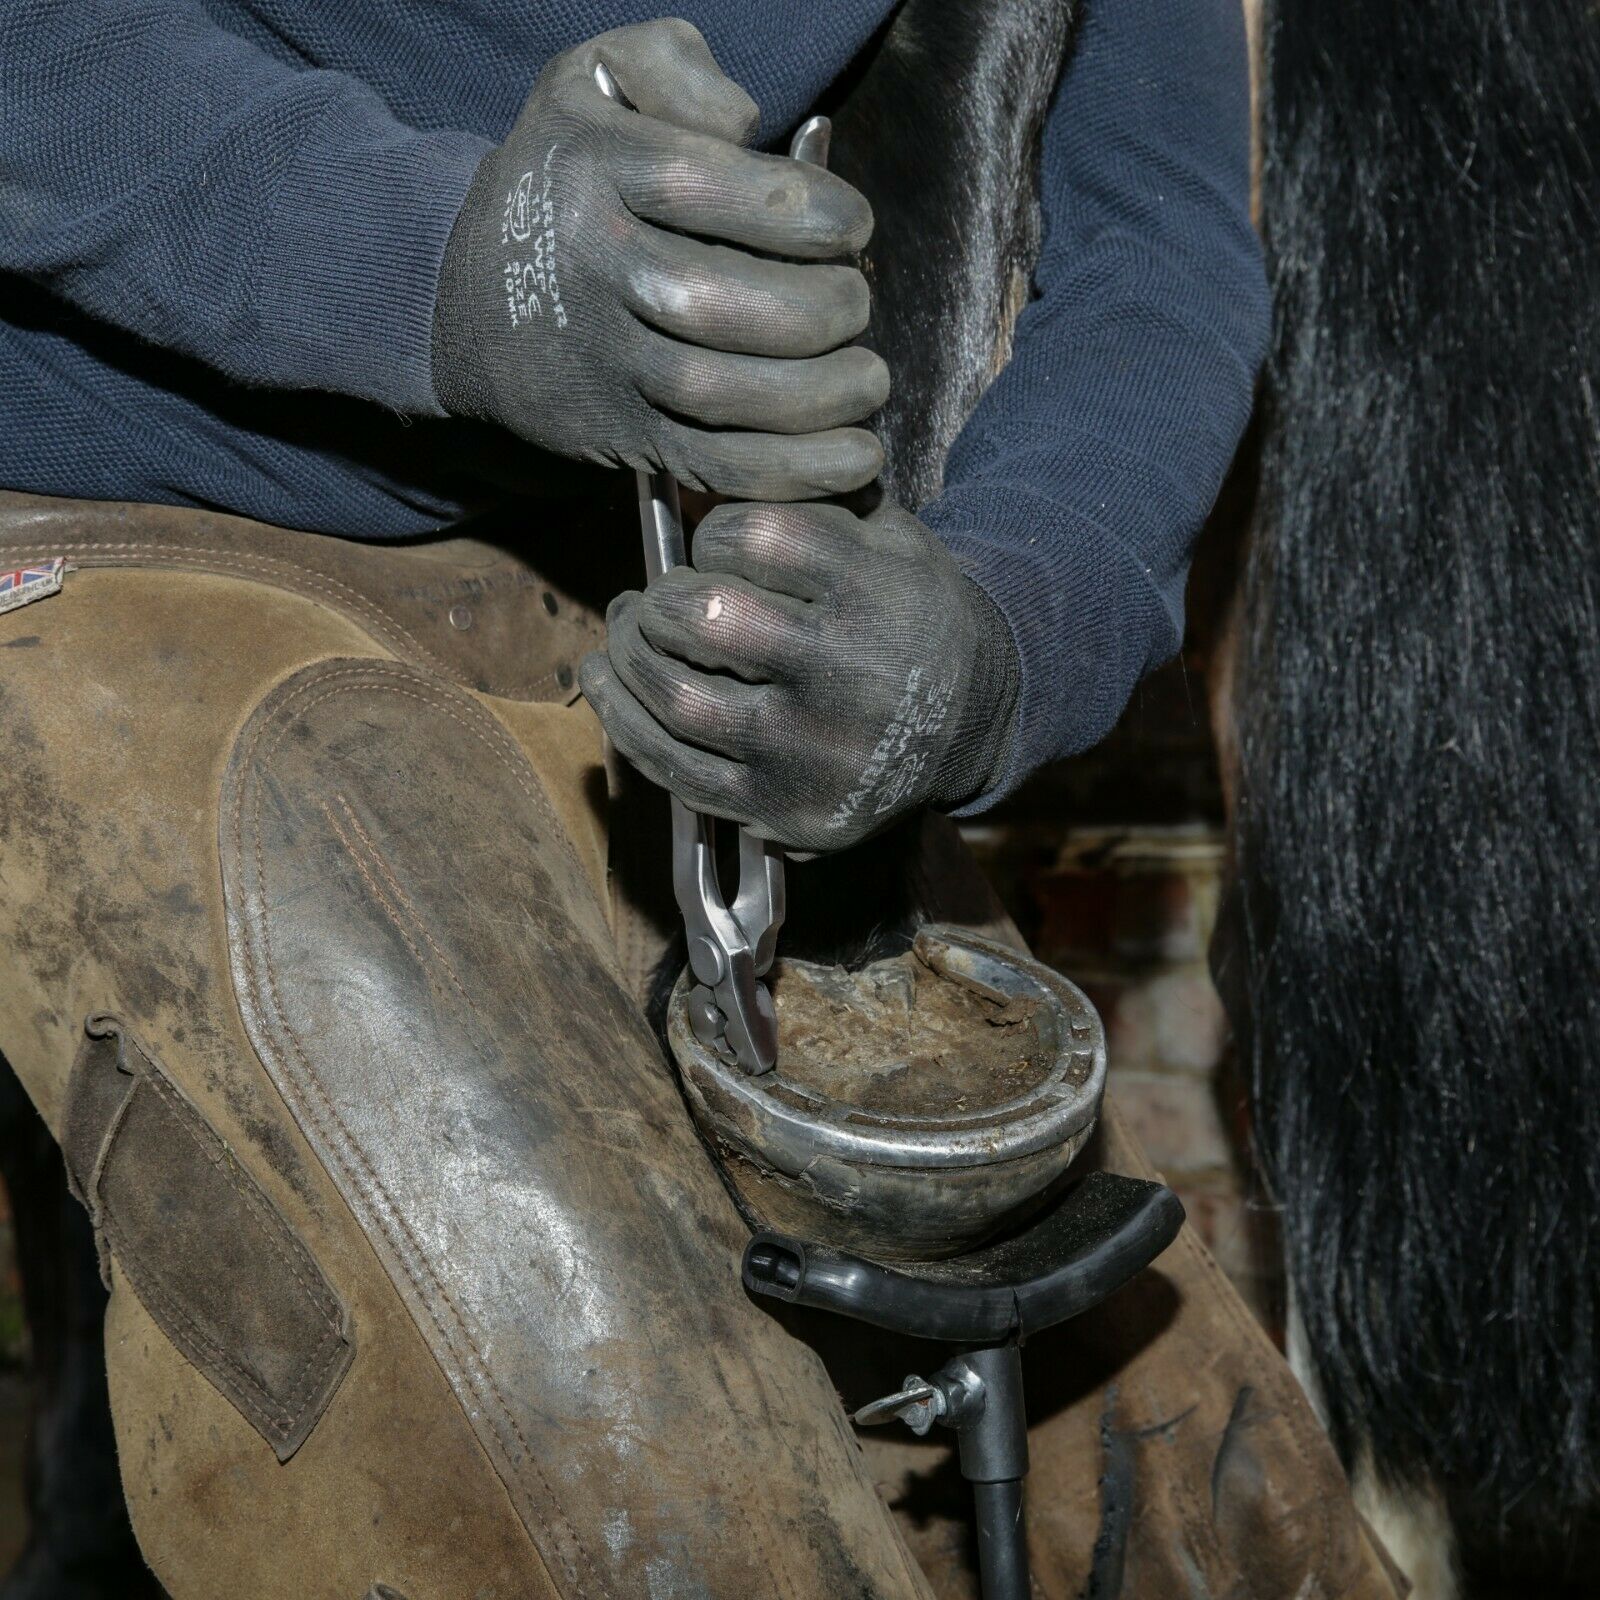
{"x": 940, "y": 129}
{"x": 1418, "y": 827}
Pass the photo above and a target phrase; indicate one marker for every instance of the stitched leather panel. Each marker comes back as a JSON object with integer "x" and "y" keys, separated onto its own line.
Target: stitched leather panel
{"x": 207, "y": 1252}
{"x": 428, "y": 977}
{"x": 474, "y": 612}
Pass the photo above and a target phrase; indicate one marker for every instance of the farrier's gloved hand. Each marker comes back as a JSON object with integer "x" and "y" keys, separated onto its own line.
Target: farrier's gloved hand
{"x": 814, "y": 675}
{"x": 581, "y": 306}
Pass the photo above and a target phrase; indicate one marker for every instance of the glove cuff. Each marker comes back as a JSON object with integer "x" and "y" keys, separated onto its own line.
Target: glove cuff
{"x": 981, "y": 749}
{"x": 460, "y": 379}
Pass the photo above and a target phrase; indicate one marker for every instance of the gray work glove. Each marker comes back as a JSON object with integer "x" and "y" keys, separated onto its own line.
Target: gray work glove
{"x": 813, "y": 675}
{"x": 582, "y": 306}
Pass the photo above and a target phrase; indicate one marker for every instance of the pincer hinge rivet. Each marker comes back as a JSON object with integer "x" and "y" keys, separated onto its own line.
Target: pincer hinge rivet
{"x": 705, "y": 961}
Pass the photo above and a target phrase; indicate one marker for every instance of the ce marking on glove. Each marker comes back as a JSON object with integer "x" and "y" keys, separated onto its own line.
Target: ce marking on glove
{"x": 530, "y": 284}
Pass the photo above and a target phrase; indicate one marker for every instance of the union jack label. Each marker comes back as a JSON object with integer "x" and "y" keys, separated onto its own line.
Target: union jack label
{"x": 22, "y": 585}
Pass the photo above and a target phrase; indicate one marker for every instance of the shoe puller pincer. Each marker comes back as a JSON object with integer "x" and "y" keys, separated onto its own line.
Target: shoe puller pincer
{"x": 730, "y": 946}
{"x": 959, "y": 1224}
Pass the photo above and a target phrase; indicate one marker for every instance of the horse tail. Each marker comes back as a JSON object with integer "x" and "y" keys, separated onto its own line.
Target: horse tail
{"x": 1418, "y": 824}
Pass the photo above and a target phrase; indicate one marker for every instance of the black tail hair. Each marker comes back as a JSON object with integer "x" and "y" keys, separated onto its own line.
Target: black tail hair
{"x": 1418, "y": 830}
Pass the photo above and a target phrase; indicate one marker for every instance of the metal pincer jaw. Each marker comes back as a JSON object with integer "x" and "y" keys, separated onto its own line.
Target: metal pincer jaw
{"x": 730, "y": 1009}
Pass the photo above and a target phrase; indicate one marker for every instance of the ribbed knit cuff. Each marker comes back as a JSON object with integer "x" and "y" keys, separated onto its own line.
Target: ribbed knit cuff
{"x": 1088, "y": 621}
{"x": 350, "y": 271}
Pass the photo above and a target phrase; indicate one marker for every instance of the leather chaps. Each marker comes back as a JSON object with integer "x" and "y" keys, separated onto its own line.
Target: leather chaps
{"x": 421, "y": 1283}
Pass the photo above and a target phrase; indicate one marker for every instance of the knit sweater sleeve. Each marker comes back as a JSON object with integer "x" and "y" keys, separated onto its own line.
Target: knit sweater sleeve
{"x": 275, "y": 221}
{"x": 1074, "y": 494}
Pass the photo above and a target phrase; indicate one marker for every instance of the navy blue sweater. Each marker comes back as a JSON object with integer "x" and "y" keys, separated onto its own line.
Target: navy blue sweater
{"x": 209, "y": 208}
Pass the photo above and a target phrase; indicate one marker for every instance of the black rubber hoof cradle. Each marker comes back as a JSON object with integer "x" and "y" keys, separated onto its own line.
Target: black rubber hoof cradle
{"x": 1101, "y": 1233}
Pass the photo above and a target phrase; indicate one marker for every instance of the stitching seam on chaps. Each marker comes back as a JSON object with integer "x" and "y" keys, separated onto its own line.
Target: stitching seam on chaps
{"x": 279, "y": 574}
{"x": 454, "y": 1341}
{"x": 394, "y": 900}
{"x": 187, "y": 1225}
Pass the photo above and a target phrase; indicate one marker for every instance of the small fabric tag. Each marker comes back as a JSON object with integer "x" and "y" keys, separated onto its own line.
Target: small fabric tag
{"x": 23, "y": 585}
